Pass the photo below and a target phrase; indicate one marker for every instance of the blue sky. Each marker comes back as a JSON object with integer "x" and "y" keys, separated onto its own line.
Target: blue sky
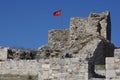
{"x": 25, "y": 23}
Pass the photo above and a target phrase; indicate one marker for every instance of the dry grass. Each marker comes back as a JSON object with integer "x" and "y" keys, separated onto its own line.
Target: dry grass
{"x": 100, "y": 67}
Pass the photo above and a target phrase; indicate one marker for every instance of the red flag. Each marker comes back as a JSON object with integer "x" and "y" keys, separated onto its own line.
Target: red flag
{"x": 57, "y": 13}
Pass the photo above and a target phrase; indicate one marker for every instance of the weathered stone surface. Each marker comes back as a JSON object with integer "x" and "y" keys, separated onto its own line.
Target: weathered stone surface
{"x": 58, "y": 39}
{"x": 117, "y": 53}
{"x": 47, "y": 69}
{"x": 112, "y": 68}
{"x": 23, "y": 54}
{"x": 3, "y": 53}
{"x": 70, "y": 54}
{"x": 86, "y": 38}
{"x": 91, "y": 37}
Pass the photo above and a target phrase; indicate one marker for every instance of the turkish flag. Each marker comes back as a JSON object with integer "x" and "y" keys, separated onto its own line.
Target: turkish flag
{"x": 57, "y": 13}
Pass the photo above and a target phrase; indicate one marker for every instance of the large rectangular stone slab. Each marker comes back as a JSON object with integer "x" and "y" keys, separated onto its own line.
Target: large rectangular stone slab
{"x": 3, "y": 53}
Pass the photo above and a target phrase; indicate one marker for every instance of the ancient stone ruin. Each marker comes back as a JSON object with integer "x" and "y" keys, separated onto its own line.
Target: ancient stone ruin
{"x": 82, "y": 52}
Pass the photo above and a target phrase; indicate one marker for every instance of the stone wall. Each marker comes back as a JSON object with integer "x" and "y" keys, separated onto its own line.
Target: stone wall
{"x": 64, "y": 69}
{"x": 3, "y": 53}
{"x": 20, "y": 67}
{"x": 58, "y": 39}
{"x": 104, "y": 23}
{"x": 113, "y": 66}
{"x": 117, "y": 53}
{"x": 86, "y": 38}
{"x": 90, "y": 37}
{"x": 95, "y": 24}
{"x": 48, "y": 69}
{"x": 64, "y": 56}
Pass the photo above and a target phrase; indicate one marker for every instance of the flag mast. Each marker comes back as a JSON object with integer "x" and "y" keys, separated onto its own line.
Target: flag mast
{"x": 58, "y": 13}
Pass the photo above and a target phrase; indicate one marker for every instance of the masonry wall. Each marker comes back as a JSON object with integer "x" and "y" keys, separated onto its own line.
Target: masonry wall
{"x": 113, "y": 66}
{"x": 3, "y": 53}
{"x": 64, "y": 69}
{"x": 104, "y": 22}
{"x": 19, "y": 67}
{"x": 58, "y": 38}
{"x": 48, "y": 69}
{"x": 95, "y": 24}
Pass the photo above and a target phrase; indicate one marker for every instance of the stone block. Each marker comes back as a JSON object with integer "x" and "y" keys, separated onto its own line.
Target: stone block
{"x": 40, "y": 77}
{"x": 117, "y": 60}
{"x": 117, "y": 50}
{"x": 0, "y": 65}
{"x": 45, "y": 75}
{"x": 110, "y": 66}
{"x": 117, "y": 72}
{"x": 117, "y": 55}
{"x": 109, "y": 60}
{"x": 3, "y": 53}
{"x": 86, "y": 76}
{"x": 117, "y": 66}
{"x": 110, "y": 74}
{"x": 46, "y": 66}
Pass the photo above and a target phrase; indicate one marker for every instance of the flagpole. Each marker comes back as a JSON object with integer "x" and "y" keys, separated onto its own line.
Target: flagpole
{"x": 61, "y": 19}
{"x": 58, "y": 13}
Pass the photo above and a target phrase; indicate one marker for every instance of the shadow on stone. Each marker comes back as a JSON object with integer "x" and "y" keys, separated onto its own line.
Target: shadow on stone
{"x": 95, "y": 75}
